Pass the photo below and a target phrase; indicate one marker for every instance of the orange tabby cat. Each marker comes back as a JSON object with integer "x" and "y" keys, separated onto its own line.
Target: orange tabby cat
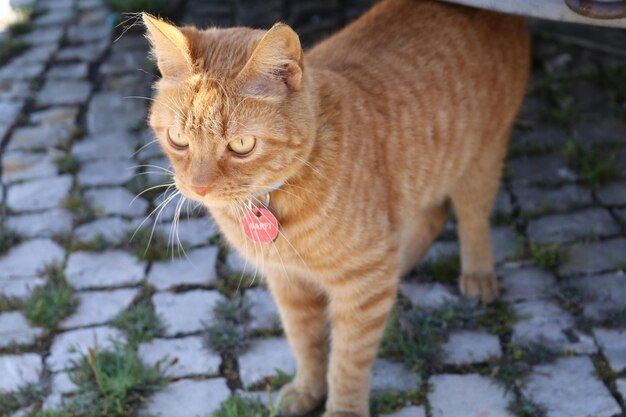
{"x": 367, "y": 137}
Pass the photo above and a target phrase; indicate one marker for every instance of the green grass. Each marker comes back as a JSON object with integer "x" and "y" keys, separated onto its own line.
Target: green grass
{"x": 392, "y": 401}
{"x": 9, "y": 303}
{"x": 20, "y": 27}
{"x": 545, "y": 255}
{"x": 8, "y": 239}
{"x": 81, "y": 207}
{"x": 445, "y": 269}
{"x": 52, "y": 302}
{"x": 497, "y": 318}
{"x": 112, "y": 383}
{"x": 594, "y": 167}
{"x": 97, "y": 244}
{"x": 150, "y": 247}
{"x": 67, "y": 164}
{"x": 523, "y": 407}
{"x": 226, "y": 334}
{"x": 13, "y": 401}
{"x": 10, "y": 48}
{"x": 140, "y": 323}
{"x": 231, "y": 284}
{"x": 237, "y": 406}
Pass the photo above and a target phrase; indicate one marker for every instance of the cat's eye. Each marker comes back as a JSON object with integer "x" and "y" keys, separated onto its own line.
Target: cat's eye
{"x": 176, "y": 139}
{"x": 243, "y": 145}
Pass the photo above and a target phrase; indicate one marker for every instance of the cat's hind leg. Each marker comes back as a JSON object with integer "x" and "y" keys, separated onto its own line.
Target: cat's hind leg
{"x": 472, "y": 199}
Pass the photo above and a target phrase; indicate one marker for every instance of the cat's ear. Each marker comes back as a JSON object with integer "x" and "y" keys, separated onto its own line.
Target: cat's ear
{"x": 275, "y": 66}
{"x": 170, "y": 47}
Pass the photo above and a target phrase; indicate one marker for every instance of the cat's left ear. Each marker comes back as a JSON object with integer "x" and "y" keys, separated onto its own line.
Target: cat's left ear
{"x": 170, "y": 46}
{"x": 275, "y": 66}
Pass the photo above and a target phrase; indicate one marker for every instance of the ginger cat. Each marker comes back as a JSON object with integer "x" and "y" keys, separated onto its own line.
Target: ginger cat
{"x": 358, "y": 145}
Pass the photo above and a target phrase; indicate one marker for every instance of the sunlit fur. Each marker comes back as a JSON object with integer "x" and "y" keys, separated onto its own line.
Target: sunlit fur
{"x": 373, "y": 132}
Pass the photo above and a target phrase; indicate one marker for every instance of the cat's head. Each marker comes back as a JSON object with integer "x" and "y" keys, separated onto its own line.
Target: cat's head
{"x": 231, "y": 110}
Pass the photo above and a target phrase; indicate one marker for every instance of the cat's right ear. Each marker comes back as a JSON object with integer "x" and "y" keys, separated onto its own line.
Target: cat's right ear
{"x": 170, "y": 46}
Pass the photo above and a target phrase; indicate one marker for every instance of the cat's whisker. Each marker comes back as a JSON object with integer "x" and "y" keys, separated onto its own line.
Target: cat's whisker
{"x": 237, "y": 211}
{"x": 150, "y": 189}
{"x": 144, "y": 147}
{"x": 136, "y": 16}
{"x": 310, "y": 165}
{"x": 177, "y": 111}
{"x": 258, "y": 249}
{"x": 152, "y": 166}
{"x": 159, "y": 207}
{"x": 265, "y": 187}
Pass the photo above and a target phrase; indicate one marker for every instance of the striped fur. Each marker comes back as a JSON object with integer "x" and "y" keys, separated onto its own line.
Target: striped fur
{"x": 405, "y": 110}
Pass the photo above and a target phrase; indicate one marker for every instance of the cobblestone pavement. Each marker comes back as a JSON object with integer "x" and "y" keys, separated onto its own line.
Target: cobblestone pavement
{"x": 76, "y": 153}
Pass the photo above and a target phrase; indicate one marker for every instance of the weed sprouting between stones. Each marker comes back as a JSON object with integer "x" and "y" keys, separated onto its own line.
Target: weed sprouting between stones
{"x": 67, "y": 164}
{"x": 150, "y": 246}
{"x": 140, "y": 323}
{"x": 392, "y": 401}
{"x": 594, "y": 167}
{"x": 111, "y": 383}
{"x": 230, "y": 284}
{"x": 227, "y": 333}
{"x": 445, "y": 269}
{"x": 12, "y": 401}
{"x": 10, "y": 48}
{"x": 97, "y": 244}
{"x": 523, "y": 407}
{"x": 8, "y": 239}
{"x": 52, "y": 302}
{"x": 546, "y": 255}
{"x": 237, "y": 406}
{"x": 10, "y": 303}
{"x": 80, "y": 206}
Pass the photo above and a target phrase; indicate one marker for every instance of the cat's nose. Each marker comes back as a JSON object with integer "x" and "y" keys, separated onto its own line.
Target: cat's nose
{"x": 201, "y": 190}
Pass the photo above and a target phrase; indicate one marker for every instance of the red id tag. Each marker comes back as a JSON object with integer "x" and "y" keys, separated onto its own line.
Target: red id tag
{"x": 260, "y": 225}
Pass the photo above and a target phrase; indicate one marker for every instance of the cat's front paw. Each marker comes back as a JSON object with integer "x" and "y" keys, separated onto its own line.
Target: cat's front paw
{"x": 479, "y": 285}
{"x": 295, "y": 402}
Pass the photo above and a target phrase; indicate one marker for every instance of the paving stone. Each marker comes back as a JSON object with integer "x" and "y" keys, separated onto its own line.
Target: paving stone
{"x": 467, "y": 347}
{"x": 467, "y": 396}
{"x": 117, "y": 201}
{"x": 505, "y": 243}
{"x": 186, "y": 312}
{"x": 55, "y": 116}
{"x": 238, "y": 265}
{"x": 390, "y": 376}
{"x": 527, "y": 283}
{"x": 14, "y": 90}
{"x": 62, "y": 384}
{"x": 411, "y": 411}
{"x": 112, "y": 229}
{"x": 16, "y": 70}
{"x": 39, "y": 137}
{"x": 599, "y": 133}
{"x": 9, "y": 112}
{"x": 14, "y": 330}
{"x": 105, "y": 107}
{"x": 263, "y": 310}
{"x": 590, "y": 258}
{"x": 67, "y": 347}
{"x": 50, "y": 223}
{"x": 55, "y": 92}
{"x": 104, "y": 269}
{"x": 130, "y": 61}
{"x": 613, "y": 345}
{"x": 36, "y": 56}
{"x": 562, "y": 228}
{"x": 570, "y": 388}
{"x": 20, "y": 287}
{"x": 543, "y": 169}
{"x": 17, "y": 371}
{"x": 88, "y": 33}
{"x": 503, "y": 203}
{"x": 74, "y": 71}
{"x": 106, "y": 172}
{"x": 136, "y": 85}
{"x": 29, "y": 258}
{"x": 40, "y": 194}
{"x": 52, "y": 402}
{"x": 613, "y": 194}
{"x": 99, "y": 307}
{"x": 601, "y": 295}
{"x": 193, "y": 358}
{"x": 191, "y": 232}
{"x": 429, "y": 295}
{"x": 264, "y": 358}
{"x": 89, "y": 52}
{"x": 19, "y": 166}
{"x": 440, "y": 250}
{"x": 158, "y": 171}
{"x": 533, "y": 199}
{"x": 197, "y": 268}
{"x": 545, "y": 323}
{"x": 43, "y": 36}
{"x": 117, "y": 145}
{"x": 54, "y": 17}
{"x": 548, "y": 136}
{"x": 200, "y": 398}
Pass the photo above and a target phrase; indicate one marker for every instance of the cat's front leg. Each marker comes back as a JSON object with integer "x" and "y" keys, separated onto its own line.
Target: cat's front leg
{"x": 360, "y": 304}
{"x": 302, "y": 307}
